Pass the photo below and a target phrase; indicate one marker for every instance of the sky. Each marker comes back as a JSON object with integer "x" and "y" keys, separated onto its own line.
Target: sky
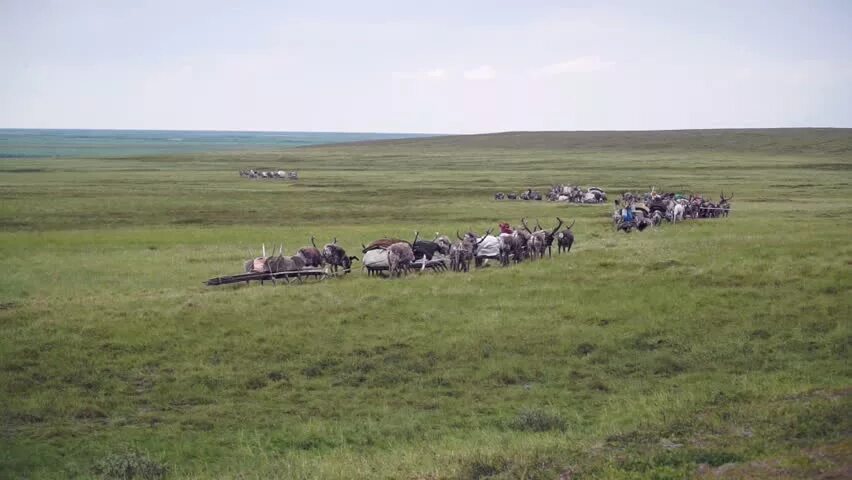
{"x": 425, "y": 66}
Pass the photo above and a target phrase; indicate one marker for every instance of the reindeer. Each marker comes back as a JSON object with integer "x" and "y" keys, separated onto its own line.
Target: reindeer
{"x": 565, "y": 238}
{"x": 335, "y": 256}
{"x": 676, "y": 210}
{"x": 513, "y": 245}
{"x": 312, "y": 255}
{"x": 275, "y": 263}
{"x": 400, "y": 257}
{"x": 463, "y": 251}
{"x": 724, "y": 204}
{"x": 428, "y": 249}
{"x": 536, "y": 244}
{"x": 549, "y": 236}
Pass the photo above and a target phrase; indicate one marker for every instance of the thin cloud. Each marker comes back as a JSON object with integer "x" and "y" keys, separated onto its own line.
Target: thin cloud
{"x": 436, "y": 73}
{"x": 485, "y": 72}
{"x": 587, "y": 64}
{"x": 433, "y": 74}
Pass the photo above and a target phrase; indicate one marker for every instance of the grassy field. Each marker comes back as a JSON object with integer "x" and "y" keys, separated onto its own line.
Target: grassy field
{"x": 717, "y": 349}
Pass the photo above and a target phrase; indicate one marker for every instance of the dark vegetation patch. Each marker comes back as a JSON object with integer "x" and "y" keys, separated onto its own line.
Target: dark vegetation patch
{"x": 89, "y": 413}
{"x": 255, "y": 383}
{"x": 585, "y": 348}
{"x": 538, "y": 420}
{"x": 759, "y": 334}
{"x": 23, "y": 170}
{"x": 663, "y": 265}
{"x": 8, "y": 305}
{"x": 190, "y": 221}
{"x": 130, "y": 465}
{"x": 534, "y": 466}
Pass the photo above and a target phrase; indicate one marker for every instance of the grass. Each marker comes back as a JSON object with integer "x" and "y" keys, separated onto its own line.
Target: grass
{"x": 710, "y": 348}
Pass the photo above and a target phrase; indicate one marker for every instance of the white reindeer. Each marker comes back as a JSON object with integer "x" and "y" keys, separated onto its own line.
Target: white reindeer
{"x": 676, "y": 209}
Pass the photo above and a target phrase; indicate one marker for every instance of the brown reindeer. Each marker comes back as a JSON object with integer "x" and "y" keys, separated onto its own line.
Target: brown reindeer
{"x": 400, "y": 257}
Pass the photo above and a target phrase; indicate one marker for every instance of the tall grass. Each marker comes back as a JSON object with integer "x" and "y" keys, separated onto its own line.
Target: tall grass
{"x": 634, "y": 356}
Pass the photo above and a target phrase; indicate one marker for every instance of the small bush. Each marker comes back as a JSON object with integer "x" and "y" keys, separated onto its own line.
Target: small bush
{"x": 584, "y": 349}
{"x": 536, "y": 420}
{"x": 256, "y": 383}
{"x": 482, "y": 466}
{"x": 531, "y": 466}
{"x": 130, "y": 465}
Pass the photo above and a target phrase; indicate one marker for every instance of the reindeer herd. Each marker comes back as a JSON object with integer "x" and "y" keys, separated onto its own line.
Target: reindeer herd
{"x": 652, "y": 208}
{"x": 269, "y": 175}
{"x": 559, "y": 193}
{"x": 395, "y": 257}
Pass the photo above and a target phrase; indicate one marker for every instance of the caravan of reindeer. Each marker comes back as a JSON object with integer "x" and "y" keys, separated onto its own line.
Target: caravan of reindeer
{"x": 394, "y": 257}
{"x": 652, "y": 208}
{"x": 269, "y": 175}
{"x": 559, "y": 193}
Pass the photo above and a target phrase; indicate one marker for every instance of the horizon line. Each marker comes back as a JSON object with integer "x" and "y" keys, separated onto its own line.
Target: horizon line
{"x": 362, "y": 132}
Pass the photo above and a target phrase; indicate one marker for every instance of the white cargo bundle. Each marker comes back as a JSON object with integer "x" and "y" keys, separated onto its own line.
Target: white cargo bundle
{"x": 377, "y": 258}
{"x": 489, "y": 248}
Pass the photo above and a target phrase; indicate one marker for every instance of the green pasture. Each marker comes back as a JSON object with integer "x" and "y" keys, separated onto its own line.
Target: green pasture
{"x": 711, "y": 348}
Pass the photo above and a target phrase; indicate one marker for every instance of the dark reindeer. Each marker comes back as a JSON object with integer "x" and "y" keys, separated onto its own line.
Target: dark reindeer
{"x": 724, "y": 204}
{"x": 421, "y": 248}
{"x": 565, "y": 239}
{"x": 336, "y": 257}
{"x": 311, "y": 255}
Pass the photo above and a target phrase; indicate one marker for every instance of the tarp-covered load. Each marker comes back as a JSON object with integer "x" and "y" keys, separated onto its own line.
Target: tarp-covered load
{"x": 489, "y": 248}
{"x": 375, "y": 259}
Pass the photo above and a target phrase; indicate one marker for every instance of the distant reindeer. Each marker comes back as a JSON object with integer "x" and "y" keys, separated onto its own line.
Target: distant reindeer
{"x": 724, "y": 204}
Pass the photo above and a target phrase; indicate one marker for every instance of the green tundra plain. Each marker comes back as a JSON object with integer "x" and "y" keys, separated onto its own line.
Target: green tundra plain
{"x": 709, "y": 349}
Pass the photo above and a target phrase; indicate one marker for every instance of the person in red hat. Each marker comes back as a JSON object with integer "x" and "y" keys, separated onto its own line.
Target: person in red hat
{"x": 505, "y": 228}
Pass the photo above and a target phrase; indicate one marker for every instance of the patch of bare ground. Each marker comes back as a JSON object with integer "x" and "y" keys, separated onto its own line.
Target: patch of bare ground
{"x": 826, "y": 462}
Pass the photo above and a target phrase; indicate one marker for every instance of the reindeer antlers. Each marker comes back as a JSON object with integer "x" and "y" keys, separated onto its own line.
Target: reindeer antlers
{"x": 557, "y": 226}
{"x": 569, "y": 226}
{"x": 524, "y": 223}
{"x": 485, "y": 236}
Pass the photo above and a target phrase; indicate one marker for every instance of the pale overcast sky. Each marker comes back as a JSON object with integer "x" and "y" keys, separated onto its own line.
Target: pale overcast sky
{"x": 450, "y": 66}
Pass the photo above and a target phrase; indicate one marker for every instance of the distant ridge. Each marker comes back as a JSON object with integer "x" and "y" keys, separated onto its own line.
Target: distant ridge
{"x": 769, "y": 140}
